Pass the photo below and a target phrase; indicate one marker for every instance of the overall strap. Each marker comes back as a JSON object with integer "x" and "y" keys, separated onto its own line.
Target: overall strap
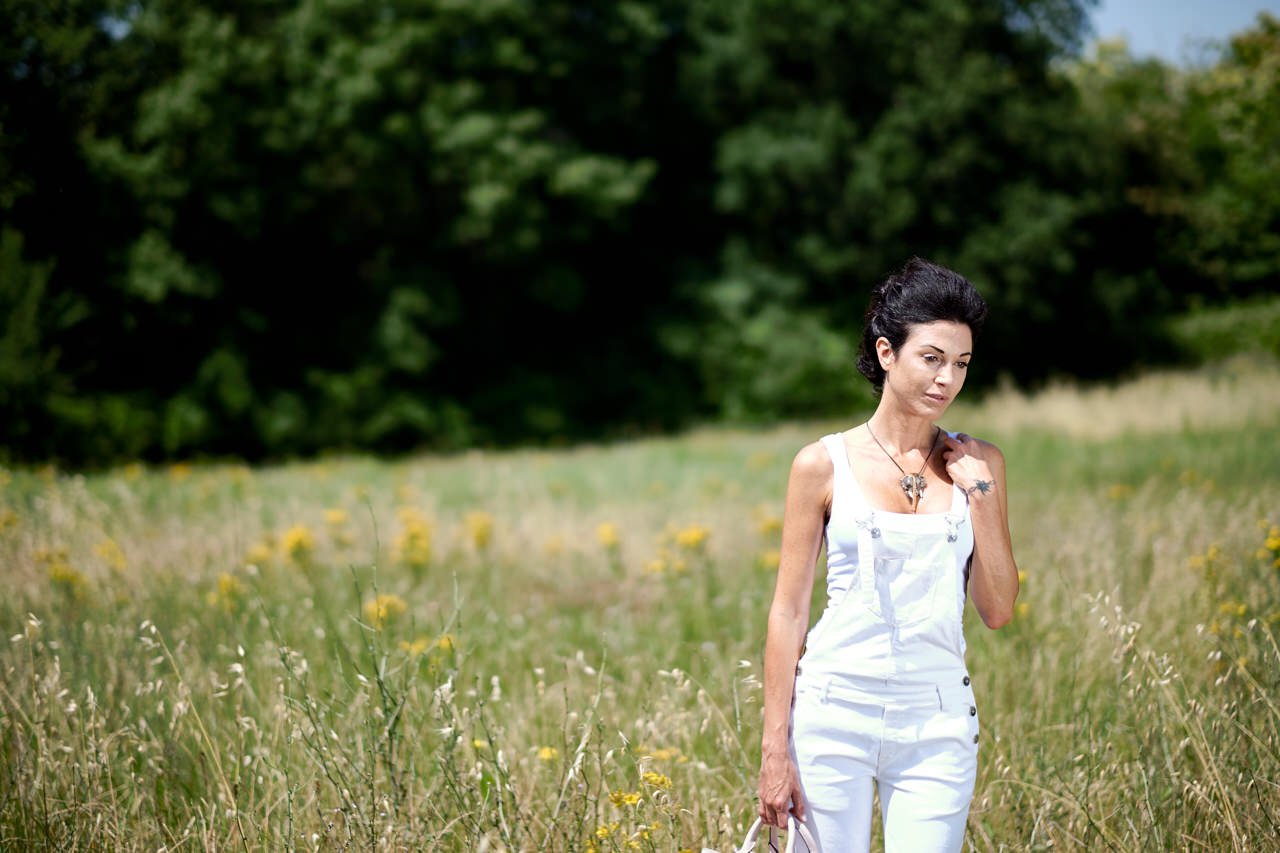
{"x": 843, "y": 482}
{"x": 863, "y": 515}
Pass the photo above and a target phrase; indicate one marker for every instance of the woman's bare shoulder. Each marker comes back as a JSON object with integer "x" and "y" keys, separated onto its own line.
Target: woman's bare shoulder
{"x": 812, "y": 461}
{"x": 812, "y": 479}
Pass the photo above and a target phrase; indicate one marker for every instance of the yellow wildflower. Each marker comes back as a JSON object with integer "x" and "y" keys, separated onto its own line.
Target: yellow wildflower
{"x": 664, "y": 754}
{"x": 607, "y": 829}
{"x": 413, "y": 546}
{"x": 1273, "y": 541}
{"x": 607, "y": 534}
{"x": 133, "y": 471}
{"x": 8, "y": 518}
{"x": 260, "y": 554}
{"x": 1197, "y": 561}
{"x": 1023, "y": 608}
{"x": 1120, "y": 491}
{"x": 624, "y": 798}
{"x": 379, "y": 611}
{"x": 548, "y": 753}
{"x": 417, "y": 647}
{"x": 230, "y": 591}
{"x": 769, "y": 525}
{"x": 179, "y": 471}
{"x": 229, "y": 585}
{"x": 769, "y": 560}
{"x": 657, "y": 780}
{"x": 479, "y": 744}
{"x": 58, "y": 553}
{"x": 693, "y": 537}
{"x": 298, "y": 543}
{"x": 1186, "y": 478}
{"x": 479, "y": 529}
{"x": 656, "y": 566}
{"x": 1022, "y": 576}
{"x": 446, "y": 643}
{"x": 64, "y": 577}
{"x": 110, "y": 554}
{"x": 335, "y": 517}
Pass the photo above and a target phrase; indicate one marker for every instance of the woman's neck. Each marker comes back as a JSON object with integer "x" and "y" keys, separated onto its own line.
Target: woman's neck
{"x": 900, "y": 432}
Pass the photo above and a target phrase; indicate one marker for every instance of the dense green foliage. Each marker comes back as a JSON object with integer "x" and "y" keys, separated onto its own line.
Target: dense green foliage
{"x": 270, "y": 228}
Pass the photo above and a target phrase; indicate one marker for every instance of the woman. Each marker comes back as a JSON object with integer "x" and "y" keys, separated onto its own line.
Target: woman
{"x": 916, "y": 521}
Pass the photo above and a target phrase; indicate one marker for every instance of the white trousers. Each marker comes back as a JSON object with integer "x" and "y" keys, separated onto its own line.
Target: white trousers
{"x": 918, "y": 745}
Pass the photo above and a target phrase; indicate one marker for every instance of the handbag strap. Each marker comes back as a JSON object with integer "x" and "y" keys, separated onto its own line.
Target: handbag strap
{"x": 795, "y": 829}
{"x": 749, "y": 843}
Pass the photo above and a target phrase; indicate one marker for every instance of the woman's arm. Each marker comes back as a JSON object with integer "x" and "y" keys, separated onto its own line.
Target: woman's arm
{"x": 977, "y": 467}
{"x": 803, "y": 522}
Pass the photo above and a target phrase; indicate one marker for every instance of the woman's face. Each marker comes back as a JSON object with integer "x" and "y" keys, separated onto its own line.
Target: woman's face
{"x": 928, "y": 370}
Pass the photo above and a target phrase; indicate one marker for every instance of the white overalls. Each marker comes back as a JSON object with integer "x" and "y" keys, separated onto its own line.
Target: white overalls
{"x": 881, "y": 692}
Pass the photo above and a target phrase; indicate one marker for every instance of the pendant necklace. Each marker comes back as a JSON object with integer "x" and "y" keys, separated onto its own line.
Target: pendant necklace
{"x": 912, "y": 484}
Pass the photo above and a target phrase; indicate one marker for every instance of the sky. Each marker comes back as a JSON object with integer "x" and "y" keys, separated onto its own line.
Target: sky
{"x": 1174, "y": 30}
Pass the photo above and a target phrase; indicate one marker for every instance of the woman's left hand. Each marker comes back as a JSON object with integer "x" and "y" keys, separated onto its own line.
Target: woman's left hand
{"x": 978, "y": 468}
{"x": 968, "y": 462}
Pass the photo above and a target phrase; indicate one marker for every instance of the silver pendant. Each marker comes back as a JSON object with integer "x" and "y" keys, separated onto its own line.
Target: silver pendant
{"x": 914, "y": 485}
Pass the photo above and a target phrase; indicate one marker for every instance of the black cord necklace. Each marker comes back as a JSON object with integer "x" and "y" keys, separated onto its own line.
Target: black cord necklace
{"x": 913, "y": 484}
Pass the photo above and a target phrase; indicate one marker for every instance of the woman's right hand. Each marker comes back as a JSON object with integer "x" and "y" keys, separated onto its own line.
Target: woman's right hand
{"x": 779, "y": 788}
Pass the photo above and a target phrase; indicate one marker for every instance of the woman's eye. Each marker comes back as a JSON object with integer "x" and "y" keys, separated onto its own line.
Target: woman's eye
{"x": 962, "y": 364}
{"x": 930, "y": 358}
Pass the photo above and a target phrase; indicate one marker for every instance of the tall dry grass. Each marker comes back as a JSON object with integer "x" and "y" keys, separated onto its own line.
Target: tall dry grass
{"x": 561, "y": 651}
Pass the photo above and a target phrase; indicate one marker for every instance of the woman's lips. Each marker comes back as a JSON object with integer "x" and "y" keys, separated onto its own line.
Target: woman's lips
{"x": 937, "y": 397}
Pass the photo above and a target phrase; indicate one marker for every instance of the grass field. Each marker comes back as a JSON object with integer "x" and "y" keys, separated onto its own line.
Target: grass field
{"x": 560, "y": 651}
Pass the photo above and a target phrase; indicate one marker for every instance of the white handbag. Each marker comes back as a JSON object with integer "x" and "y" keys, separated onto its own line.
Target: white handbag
{"x": 795, "y": 829}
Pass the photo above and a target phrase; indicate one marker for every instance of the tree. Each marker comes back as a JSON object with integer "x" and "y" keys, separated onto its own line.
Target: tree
{"x": 857, "y": 135}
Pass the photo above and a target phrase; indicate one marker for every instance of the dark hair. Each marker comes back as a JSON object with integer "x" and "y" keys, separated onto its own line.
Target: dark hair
{"x": 921, "y": 293}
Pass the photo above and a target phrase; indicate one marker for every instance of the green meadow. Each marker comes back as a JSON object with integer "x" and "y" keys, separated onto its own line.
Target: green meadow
{"x": 561, "y": 650}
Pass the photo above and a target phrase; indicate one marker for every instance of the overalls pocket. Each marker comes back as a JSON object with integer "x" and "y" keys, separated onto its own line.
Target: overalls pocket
{"x": 905, "y": 590}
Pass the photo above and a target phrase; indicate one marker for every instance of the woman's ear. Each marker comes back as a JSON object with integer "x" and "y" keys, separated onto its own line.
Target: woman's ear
{"x": 884, "y": 352}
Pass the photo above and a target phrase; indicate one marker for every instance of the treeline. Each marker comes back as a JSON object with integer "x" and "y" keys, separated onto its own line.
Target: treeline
{"x": 269, "y": 227}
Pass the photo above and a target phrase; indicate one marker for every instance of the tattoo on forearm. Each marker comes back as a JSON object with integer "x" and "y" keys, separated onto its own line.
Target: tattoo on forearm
{"x": 983, "y": 486}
